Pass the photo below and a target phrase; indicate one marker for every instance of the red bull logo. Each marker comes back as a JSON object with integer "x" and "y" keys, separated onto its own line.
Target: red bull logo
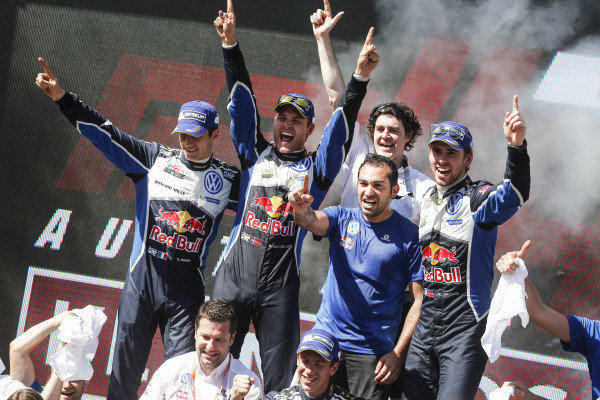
{"x": 275, "y": 206}
{"x": 177, "y": 241}
{"x": 270, "y": 226}
{"x": 437, "y": 275}
{"x": 182, "y": 221}
{"x": 435, "y": 253}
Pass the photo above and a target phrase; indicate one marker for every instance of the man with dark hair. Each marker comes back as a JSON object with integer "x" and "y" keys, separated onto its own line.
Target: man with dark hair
{"x": 373, "y": 255}
{"x": 181, "y": 195}
{"x": 260, "y": 270}
{"x": 210, "y": 372}
{"x": 317, "y": 361}
{"x": 393, "y": 128}
{"x": 457, "y": 234}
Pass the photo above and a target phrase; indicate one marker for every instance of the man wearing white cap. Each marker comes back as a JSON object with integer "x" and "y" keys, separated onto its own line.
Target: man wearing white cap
{"x": 181, "y": 195}
{"x": 317, "y": 360}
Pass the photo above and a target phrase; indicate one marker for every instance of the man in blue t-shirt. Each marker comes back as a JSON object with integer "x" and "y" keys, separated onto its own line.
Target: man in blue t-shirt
{"x": 576, "y": 334}
{"x": 373, "y": 255}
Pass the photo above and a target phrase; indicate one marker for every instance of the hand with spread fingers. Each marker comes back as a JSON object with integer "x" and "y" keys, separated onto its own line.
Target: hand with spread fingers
{"x": 368, "y": 57}
{"x": 48, "y": 83}
{"x": 514, "y": 126}
{"x": 225, "y": 24}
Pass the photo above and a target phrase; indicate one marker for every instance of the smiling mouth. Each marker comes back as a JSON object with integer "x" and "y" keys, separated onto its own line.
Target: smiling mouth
{"x": 67, "y": 394}
{"x": 286, "y": 137}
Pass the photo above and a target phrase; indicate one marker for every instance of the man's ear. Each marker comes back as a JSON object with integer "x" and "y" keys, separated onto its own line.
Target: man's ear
{"x": 334, "y": 368}
{"x": 395, "y": 190}
{"x": 311, "y": 128}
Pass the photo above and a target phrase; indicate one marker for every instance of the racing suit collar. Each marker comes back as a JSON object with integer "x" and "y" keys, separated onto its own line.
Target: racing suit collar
{"x": 326, "y": 395}
{"x": 294, "y": 156}
{"x": 453, "y": 187}
{"x": 195, "y": 166}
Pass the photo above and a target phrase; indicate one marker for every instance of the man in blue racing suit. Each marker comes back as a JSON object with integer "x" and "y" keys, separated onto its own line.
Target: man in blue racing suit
{"x": 457, "y": 233}
{"x": 260, "y": 270}
{"x": 181, "y": 195}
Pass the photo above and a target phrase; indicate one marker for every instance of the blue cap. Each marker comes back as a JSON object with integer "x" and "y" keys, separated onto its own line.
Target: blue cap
{"x": 299, "y": 102}
{"x": 195, "y": 117}
{"x": 322, "y": 342}
{"x": 454, "y": 134}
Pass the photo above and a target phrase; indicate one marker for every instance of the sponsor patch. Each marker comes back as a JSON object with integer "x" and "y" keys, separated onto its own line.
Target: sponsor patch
{"x": 353, "y": 227}
{"x": 212, "y": 200}
{"x": 213, "y": 182}
{"x": 347, "y": 243}
{"x": 302, "y": 165}
{"x": 455, "y": 221}
{"x": 255, "y": 241}
{"x": 454, "y": 203}
{"x": 192, "y": 115}
{"x": 434, "y": 253}
{"x": 185, "y": 379}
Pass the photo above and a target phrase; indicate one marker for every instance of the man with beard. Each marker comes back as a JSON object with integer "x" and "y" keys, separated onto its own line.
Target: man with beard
{"x": 457, "y": 234}
{"x": 373, "y": 255}
{"x": 260, "y": 271}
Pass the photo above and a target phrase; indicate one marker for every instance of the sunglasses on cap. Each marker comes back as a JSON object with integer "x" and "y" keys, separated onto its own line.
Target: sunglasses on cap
{"x": 286, "y": 98}
{"x": 455, "y": 132}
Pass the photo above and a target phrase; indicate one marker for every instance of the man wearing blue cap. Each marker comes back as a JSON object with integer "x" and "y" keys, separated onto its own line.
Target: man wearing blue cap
{"x": 260, "y": 271}
{"x": 317, "y": 360}
{"x": 457, "y": 234}
{"x": 181, "y": 195}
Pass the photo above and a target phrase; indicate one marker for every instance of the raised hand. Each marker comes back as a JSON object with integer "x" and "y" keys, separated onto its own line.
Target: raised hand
{"x": 506, "y": 263}
{"x": 514, "y": 126}
{"x": 368, "y": 57}
{"x": 225, "y": 24}
{"x": 48, "y": 83}
{"x": 241, "y": 386}
{"x": 300, "y": 198}
{"x": 322, "y": 20}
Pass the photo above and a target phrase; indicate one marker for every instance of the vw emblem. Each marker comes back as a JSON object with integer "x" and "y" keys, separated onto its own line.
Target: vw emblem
{"x": 353, "y": 227}
{"x": 185, "y": 379}
{"x": 301, "y": 166}
{"x": 213, "y": 182}
{"x": 454, "y": 203}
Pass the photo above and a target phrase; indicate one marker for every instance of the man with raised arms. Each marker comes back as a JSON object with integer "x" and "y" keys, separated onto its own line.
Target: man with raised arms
{"x": 260, "y": 271}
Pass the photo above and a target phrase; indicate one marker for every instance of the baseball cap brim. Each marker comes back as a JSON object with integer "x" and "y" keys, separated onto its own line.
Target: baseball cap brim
{"x": 296, "y": 106}
{"x": 325, "y": 354}
{"x": 189, "y": 127}
{"x": 448, "y": 140}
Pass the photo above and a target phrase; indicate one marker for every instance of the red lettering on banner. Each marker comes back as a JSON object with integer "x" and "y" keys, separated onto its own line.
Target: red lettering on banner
{"x": 432, "y": 77}
{"x": 123, "y": 102}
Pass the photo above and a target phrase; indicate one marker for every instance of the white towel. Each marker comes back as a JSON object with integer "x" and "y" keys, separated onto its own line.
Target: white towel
{"x": 502, "y": 393}
{"x": 73, "y": 361}
{"x": 9, "y": 385}
{"x": 508, "y": 301}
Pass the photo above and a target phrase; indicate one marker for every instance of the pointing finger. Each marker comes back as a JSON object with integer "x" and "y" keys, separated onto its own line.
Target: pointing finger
{"x": 305, "y": 184}
{"x": 326, "y": 6}
{"x": 516, "y": 103}
{"x": 369, "y": 36}
{"x": 46, "y": 67}
{"x": 229, "y": 6}
{"x": 524, "y": 249}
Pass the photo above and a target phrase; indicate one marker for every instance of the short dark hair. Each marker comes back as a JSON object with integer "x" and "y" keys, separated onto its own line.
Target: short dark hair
{"x": 25, "y": 394}
{"x": 377, "y": 160}
{"x": 402, "y": 113}
{"x": 218, "y": 310}
{"x": 211, "y": 130}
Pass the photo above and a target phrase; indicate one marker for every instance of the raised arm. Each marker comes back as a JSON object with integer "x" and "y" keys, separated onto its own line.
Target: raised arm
{"x": 307, "y": 218}
{"x": 21, "y": 366}
{"x": 323, "y": 22}
{"x": 514, "y": 126}
{"x": 543, "y": 316}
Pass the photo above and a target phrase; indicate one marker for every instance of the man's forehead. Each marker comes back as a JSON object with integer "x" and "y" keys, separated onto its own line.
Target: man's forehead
{"x": 311, "y": 354}
{"x": 373, "y": 172}
{"x": 387, "y": 119}
{"x": 207, "y": 324}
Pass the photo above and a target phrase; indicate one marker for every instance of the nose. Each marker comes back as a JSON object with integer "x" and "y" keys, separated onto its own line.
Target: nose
{"x": 369, "y": 190}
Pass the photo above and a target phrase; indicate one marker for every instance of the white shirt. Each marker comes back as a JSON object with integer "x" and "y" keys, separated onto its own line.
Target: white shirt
{"x": 411, "y": 194}
{"x": 173, "y": 380}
